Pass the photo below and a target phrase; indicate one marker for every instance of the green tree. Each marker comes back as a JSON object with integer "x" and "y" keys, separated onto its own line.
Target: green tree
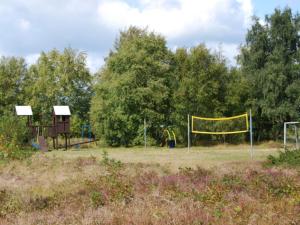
{"x": 12, "y": 74}
{"x": 270, "y": 63}
{"x": 60, "y": 78}
{"x": 135, "y": 84}
{"x": 201, "y": 82}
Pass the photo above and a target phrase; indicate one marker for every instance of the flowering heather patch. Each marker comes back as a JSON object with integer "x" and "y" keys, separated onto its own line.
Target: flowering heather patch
{"x": 89, "y": 191}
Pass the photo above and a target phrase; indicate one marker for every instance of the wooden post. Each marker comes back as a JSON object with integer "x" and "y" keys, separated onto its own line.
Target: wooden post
{"x": 66, "y": 142}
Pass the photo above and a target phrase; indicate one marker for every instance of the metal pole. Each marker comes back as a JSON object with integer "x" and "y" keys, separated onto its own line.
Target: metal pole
{"x": 296, "y": 136}
{"x": 188, "y": 130}
{"x": 284, "y": 137}
{"x": 251, "y": 135}
{"x": 145, "y": 133}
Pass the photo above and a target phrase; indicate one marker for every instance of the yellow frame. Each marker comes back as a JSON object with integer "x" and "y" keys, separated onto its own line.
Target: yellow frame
{"x": 169, "y": 135}
{"x": 219, "y": 119}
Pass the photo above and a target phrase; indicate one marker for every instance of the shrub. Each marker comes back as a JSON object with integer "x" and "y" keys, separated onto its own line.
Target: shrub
{"x": 14, "y": 138}
{"x": 20, "y": 154}
{"x": 287, "y": 158}
{"x": 13, "y": 130}
{"x": 112, "y": 164}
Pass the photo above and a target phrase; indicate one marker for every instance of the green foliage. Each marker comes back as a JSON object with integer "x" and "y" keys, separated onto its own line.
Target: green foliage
{"x": 134, "y": 85}
{"x": 20, "y": 154}
{"x": 12, "y": 73}
{"x": 270, "y": 62}
{"x": 59, "y": 78}
{"x": 112, "y": 164}
{"x": 2, "y": 155}
{"x": 286, "y": 158}
{"x": 97, "y": 199}
{"x": 14, "y": 138}
{"x": 13, "y": 130}
{"x": 201, "y": 83}
{"x": 143, "y": 79}
{"x": 76, "y": 125}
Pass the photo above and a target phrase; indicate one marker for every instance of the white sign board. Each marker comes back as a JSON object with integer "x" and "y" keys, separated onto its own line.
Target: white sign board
{"x": 24, "y": 110}
{"x": 62, "y": 110}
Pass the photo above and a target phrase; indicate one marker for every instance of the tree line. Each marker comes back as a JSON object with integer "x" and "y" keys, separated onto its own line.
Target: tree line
{"x": 142, "y": 79}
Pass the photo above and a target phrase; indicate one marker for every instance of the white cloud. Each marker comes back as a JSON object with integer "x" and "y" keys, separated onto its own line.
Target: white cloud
{"x": 32, "y": 58}
{"x": 184, "y": 22}
{"x": 181, "y": 18}
{"x": 24, "y": 24}
{"x": 230, "y": 50}
{"x": 247, "y": 8}
{"x": 94, "y": 62}
{"x": 33, "y": 26}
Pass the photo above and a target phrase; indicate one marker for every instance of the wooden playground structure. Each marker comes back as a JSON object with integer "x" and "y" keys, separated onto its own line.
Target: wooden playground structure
{"x": 60, "y": 126}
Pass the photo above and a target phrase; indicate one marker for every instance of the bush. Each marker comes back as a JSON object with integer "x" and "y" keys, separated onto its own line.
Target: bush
{"x": 14, "y": 138}
{"x": 20, "y": 154}
{"x": 13, "y": 130}
{"x": 287, "y": 157}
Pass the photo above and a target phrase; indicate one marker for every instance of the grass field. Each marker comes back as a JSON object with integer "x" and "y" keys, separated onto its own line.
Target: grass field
{"x": 215, "y": 185}
{"x": 205, "y": 157}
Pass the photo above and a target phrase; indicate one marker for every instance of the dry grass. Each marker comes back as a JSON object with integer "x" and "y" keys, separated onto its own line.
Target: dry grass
{"x": 76, "y": 188}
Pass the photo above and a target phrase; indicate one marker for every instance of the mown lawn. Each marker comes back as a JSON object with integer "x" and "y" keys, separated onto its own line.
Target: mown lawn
{"x": 205, "y": 157}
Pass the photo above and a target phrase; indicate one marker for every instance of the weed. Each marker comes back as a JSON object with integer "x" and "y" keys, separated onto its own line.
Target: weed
{"x": 232, "y": 181}
{"x": 39, "y": 202}
{"x": 111, "y": 163}
{"x": 218, "y": 212}
{"x": 281, "y": 187}
{"x": 2, "y": 156}
{"x": 20, "y": 154}
{"x": 97, "y": 199}
{"x": 81, "y": 161}
{"x": 10, "y": 203}
{"x": 118, "y": 189}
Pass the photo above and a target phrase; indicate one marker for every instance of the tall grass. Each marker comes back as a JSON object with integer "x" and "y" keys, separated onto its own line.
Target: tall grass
{"x": 91, "y": 190}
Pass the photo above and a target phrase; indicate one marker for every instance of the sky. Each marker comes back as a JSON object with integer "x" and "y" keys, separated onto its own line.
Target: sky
{"x": 31, "y": 26}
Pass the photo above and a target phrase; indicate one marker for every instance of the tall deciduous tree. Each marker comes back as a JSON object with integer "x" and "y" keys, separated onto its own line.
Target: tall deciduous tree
{"x": 135, "y": 84}
{"x": 60, "y": 78}
{"x": 271, "y": 64}
{"x": 12, "y": 74}
{"x": 201, "y": 82}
